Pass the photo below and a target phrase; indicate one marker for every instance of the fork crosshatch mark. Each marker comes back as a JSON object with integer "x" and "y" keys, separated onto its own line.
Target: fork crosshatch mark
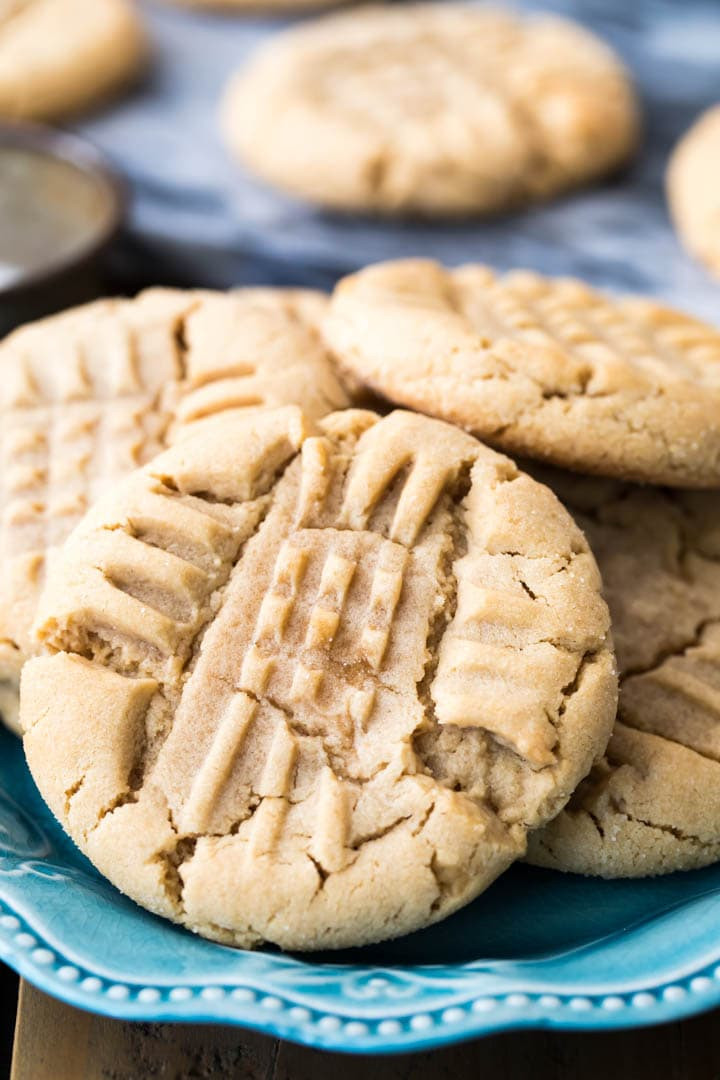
{"x": 97, "y": 391}
{"x": 271, "y": 645}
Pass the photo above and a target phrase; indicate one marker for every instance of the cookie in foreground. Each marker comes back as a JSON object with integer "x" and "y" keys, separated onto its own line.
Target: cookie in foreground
{"x": 436, "y": 109}
{"x": 652, "y": 804}
{"x": 547, "y": 368}
{"x": 313, "y": 685}
{"x": 91, "y": 394}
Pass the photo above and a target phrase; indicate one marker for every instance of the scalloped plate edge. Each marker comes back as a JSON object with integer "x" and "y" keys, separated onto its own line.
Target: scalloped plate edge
{"x": 22, "y": 948}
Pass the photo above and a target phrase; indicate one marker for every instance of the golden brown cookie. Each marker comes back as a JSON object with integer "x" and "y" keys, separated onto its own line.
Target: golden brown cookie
{"x": 88, "y": 395}
{"x": 312, "y": 685}
{"x": 433, "y": 108}
{"x": 693, "y": 188}
{"x": 652, "y": 805}
{"x": 58, "y": 56}
{"x": 538, "y": 366}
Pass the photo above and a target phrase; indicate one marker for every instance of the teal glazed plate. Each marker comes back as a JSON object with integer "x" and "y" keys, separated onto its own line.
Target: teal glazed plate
{"x": 539, "y": 949}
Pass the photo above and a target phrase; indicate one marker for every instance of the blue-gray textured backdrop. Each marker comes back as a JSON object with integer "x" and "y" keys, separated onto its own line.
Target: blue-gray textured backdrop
{"x": 195, "y": 211}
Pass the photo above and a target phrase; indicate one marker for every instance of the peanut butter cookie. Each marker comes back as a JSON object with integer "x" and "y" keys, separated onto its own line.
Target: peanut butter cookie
{"x": 312, "y": 685}
{"x": 88, "y": 395}
{"x": 652, "y": 805}
{"x": 548, "y": 368}
{"x": 431, "y": 108}
{"x": 58, "y": 56}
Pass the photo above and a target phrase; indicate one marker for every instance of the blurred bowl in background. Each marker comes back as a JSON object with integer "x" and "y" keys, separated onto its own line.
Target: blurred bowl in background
{"x": 60, "y": 207}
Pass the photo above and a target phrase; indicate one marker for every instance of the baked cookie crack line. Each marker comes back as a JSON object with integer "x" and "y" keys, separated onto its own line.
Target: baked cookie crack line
{"x": 617, "y": 809}
{"x": 571, "y": 688}
{"x": 73, "y": 791}
{"x": 596, "y": 822}
{"x": 162, "y": 408}
{"x": 298, "y": 728}
{"x": 254, "y": 781}
{"x": 695, "y": 640}
{"x": 172, "y": 862}
{"x": 671, "y": 830}
{"x": 121, "y": 799}
{"x": 180, "y": 337}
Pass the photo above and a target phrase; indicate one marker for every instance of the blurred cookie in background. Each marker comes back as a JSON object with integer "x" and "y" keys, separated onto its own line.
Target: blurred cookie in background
{"x": 60, "y": 56}
{"x": 436, "y": 109}
{"x": 693, "y": 188}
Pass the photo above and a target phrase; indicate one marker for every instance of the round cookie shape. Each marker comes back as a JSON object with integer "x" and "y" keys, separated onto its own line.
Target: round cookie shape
{"x": 542, "y": 367}
{"x": 58, "y": 56}
{"x": 652, "y": 804}
{"x": 312, "y": 686}
{"x": 693, "y": 189}
{"x": 89, "y": 395}
{"x": 437, "y": 109}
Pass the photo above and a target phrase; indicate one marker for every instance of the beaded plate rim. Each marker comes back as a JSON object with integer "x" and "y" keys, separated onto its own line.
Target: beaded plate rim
{"x": 337, "y": 1026}
{"x": 60, "y": 924}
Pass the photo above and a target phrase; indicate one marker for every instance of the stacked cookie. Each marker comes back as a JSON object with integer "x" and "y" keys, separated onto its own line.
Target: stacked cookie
{"x": 282, "y": 693}
{"x": 622, "y": 389}
{"x": 91, "y": 394}
{"x": 287, "y": 697}
{"x": 316, "y": 676}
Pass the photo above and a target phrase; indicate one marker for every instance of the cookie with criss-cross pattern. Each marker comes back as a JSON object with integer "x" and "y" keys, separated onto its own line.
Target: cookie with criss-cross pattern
{"x": 313, "y": 685}
{"x": 543, "y": 367}
{"x": 433, "y": 109}
{"x": 58, "y": 56}
{"x": 88, "y": 395}
{"x": 652, "y": 804}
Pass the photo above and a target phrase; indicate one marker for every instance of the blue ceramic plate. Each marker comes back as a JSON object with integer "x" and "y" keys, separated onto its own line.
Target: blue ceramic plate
{"x": 537, "y": 950}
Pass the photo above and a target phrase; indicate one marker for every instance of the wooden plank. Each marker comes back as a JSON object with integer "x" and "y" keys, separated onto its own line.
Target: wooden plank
{"x": 55, "y": 1042}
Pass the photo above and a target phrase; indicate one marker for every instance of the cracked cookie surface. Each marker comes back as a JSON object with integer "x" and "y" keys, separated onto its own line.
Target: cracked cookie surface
{"x": 693, "y": 188}
{"x": 58, "y": 56}
{"x": 435, "y": 108}
{"x": 312, "y": 686}
{"x": 89, "y": 395}
{"x": 652, "y": 804}
{"x": 547, "y": 368}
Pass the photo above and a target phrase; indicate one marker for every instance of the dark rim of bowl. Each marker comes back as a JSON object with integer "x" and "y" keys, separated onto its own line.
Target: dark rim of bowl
{"x": 77, "y": 152}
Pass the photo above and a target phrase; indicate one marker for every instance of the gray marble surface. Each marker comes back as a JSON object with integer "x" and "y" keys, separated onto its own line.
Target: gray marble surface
{"x": 194, "y": 210}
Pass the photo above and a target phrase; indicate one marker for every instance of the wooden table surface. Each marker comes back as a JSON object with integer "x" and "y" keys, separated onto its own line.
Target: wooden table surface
{"x": 55, "y": 1042}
